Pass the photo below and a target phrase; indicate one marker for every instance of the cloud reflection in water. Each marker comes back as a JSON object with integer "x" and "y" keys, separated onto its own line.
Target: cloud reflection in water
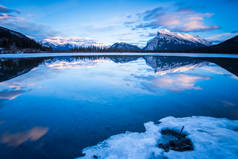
{"x": 19, "y": 138}
{"x": 178, "y": 82}
{"x": 10, "y": 94}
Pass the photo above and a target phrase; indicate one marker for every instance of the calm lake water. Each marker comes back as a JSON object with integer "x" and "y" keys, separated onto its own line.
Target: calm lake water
{"x": 54, "y": 107}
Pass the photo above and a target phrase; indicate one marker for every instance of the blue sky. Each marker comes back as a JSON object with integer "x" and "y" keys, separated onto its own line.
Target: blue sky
{"x": 132, "y": 21}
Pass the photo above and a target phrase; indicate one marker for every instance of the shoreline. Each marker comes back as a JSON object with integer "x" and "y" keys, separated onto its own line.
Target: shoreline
{"x": 39, "y": 55}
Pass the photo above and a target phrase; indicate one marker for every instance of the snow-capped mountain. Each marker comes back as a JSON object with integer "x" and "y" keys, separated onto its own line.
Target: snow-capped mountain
{"x": 166, "y": 40}
{"x": 124, "y": 47}
{"x": 62, "y": 43}
{"x": 58, "y": 46}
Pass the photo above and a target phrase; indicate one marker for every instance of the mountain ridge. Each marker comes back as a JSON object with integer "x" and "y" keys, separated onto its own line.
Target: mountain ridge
{"x": 165, "y": 41}
{"x": 13, "y": 40}
{"x": 124, "y": 47}
{"x": 169, "y": 41}
{"x": 230, "y": 46}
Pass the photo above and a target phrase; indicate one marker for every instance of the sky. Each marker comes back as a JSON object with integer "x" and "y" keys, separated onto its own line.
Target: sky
{"x": 110, "y": 21}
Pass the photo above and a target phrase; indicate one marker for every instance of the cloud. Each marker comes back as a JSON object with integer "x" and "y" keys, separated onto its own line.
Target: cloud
{"x": 4, "y": 9}
{"x": 4, "y": 16}
{"x": 11, "y": 19}
{"x": 6, "y": 13}
{"x": 152, "y": 14}
{"x": 181, "y": 20}
{"x": 148, "y": 35}
{"x": 32, "y": 30}
{"x": 17, "y": 139}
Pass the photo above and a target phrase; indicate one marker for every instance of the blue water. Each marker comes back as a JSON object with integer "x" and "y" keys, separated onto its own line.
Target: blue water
{"x": 54, "y": 107}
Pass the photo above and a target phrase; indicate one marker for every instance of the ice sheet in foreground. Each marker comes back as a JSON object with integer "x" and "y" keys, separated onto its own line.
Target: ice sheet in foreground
{"x": 212, "y": 139}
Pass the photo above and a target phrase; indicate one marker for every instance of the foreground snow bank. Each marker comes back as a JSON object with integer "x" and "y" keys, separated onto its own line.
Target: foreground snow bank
{"x": 212, "y": 139}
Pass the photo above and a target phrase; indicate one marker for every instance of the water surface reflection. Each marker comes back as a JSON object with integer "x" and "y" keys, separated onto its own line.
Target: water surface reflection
{"x": 55, "y": 107}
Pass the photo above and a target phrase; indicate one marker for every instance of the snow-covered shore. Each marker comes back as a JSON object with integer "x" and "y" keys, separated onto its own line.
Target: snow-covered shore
{"x": 35, "y": 55}
{"x": 212, "y": 138}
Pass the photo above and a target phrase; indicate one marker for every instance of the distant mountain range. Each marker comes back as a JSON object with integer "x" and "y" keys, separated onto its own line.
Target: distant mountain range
{"x": 62, "y": 47}
{"x": 60, "y": 44}
{"x": 164, "y": 41}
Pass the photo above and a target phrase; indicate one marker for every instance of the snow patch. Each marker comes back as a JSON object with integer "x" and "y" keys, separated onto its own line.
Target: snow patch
{"x": 188, "y": 37}
{"x": 212, "y": 138}
{"x": 70, "y": 42}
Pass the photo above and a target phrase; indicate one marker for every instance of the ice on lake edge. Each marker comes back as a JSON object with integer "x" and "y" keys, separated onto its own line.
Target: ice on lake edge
{"x": 212, "y": 138}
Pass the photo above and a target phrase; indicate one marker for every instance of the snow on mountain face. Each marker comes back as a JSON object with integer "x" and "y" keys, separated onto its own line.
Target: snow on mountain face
{"x": 60, "y": 43}
{"x": 166, "y": 40}
{"x": 124, "y": 46}
{"x": 188, "y": 37}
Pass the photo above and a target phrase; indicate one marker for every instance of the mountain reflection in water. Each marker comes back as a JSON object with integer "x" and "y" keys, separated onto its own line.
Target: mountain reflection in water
{"x": 55, "y": 107}
{"x": 11, "y": 68}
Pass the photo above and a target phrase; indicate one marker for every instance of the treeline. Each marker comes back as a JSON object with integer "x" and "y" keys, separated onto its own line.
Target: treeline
{"x": 13, "y": 43}
{"x": 100, "y": 49}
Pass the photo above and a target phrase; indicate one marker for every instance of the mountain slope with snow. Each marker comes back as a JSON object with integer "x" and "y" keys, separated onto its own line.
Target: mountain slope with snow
{"x": 61, "y": 43}
{"x": 166, "y": 40}
{"x": 124, "y": 47}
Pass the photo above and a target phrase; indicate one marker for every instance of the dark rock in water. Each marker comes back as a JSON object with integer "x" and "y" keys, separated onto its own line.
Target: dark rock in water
{"x": 182, "y": 144}
{"x": 95, "y": 157}
{"x": 165, "y": 147}
{"x": 179, "y": 142}
{"x": 174, "y": 133}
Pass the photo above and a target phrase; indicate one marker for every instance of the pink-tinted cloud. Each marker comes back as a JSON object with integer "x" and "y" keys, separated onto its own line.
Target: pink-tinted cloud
{"x": 4, "y": 16}
{"x": 11, "y": 19}
{"x": 182, "y": 20}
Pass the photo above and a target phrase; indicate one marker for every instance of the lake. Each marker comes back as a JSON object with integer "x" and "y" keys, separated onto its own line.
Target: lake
{"x": 54, "y": 107}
